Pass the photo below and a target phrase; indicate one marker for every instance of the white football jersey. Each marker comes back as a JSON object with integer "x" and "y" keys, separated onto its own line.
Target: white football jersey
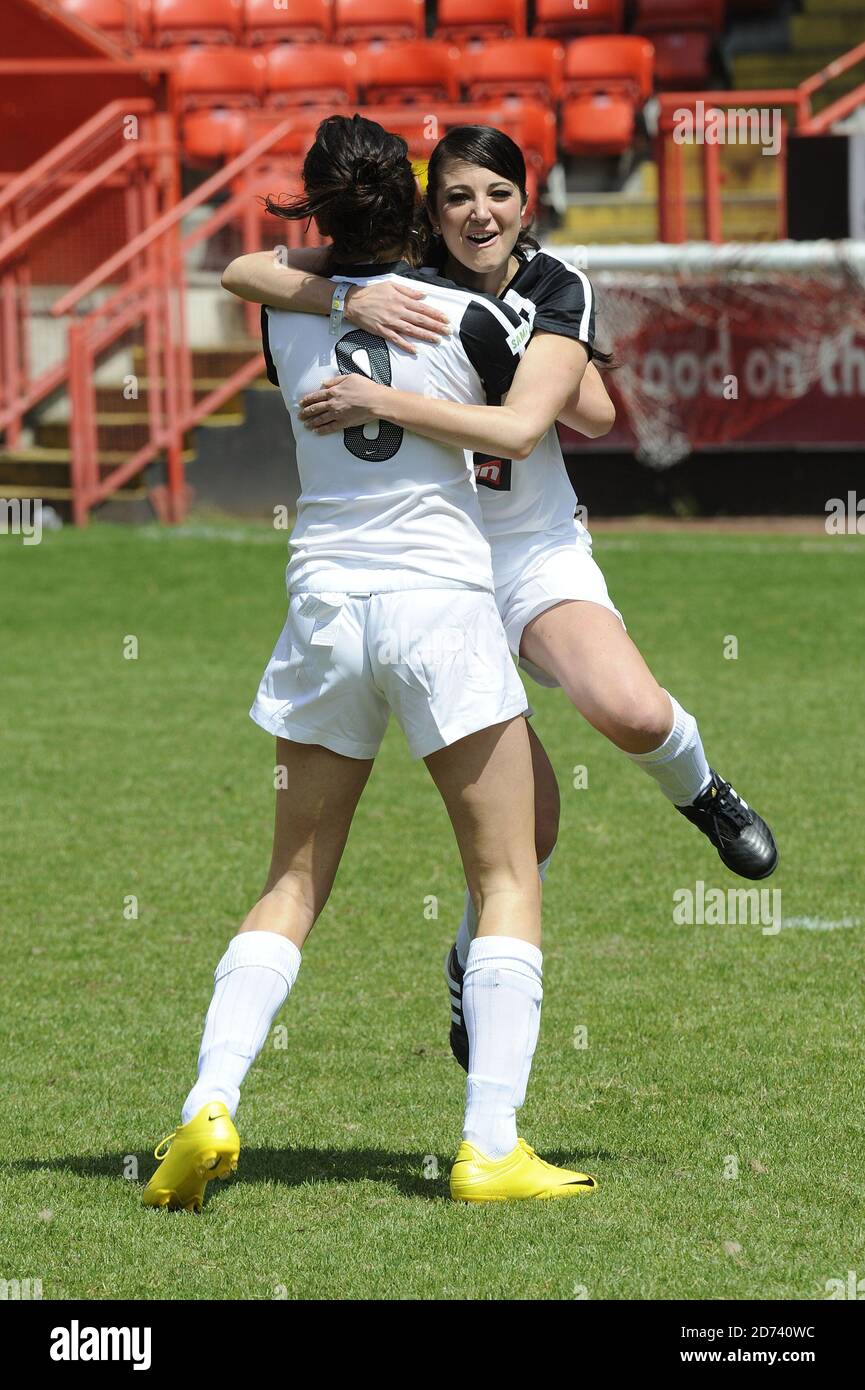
{"x": 381, "y": 508}
{"x": 526, "y": 503}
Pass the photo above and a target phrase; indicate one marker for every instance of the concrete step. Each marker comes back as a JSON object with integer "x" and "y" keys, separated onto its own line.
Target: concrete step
{"x": 45, "y": 472}
{"x": 120, "y": 434}
{"x": 788, "y": 69}
{"x": 836, "y": 34}
{"x": 833, "y": 7}
{"x": 111, "y": 398}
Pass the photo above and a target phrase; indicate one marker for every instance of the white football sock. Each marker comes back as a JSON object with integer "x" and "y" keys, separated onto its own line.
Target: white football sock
{"x": 502, "y": 995}
{"x": 252, "y": 982}
{"x": 469, "y": 924}
{"x": 679, "y": 765}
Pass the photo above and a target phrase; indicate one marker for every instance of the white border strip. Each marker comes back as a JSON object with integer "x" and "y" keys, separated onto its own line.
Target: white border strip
{"x": 707, "y": 256}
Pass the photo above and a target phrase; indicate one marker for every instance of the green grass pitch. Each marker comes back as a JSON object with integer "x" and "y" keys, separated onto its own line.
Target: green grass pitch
{"x": 711, "y": 1050}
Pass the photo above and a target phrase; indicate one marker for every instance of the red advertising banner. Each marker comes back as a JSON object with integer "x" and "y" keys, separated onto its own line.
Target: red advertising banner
{"x": 760, "y": 360}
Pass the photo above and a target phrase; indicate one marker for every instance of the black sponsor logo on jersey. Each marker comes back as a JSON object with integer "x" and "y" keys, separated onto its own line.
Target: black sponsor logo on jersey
{"x": 493, "y": 472}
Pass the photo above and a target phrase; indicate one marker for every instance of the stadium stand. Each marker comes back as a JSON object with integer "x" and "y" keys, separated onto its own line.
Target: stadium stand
{"x": 359, "y": 21}
{"x": 218, "y": 76}
{"x": 176, "y": 23}
{"x": 414, "y": 70}
{"x": 606, "y": 82}
{"x": 304, "y": 21}
{"x": 300, "y": 75}
{"x": 514, "y": 68}
{"x": 473, "y": 21}
{"x": 561, "y": 19}
{"x": 682, "y": 32}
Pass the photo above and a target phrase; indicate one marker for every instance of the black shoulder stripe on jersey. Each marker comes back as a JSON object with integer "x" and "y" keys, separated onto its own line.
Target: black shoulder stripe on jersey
{"x": 560, "y": 297}
{"x": 493, "y": 347}
{"x": 265, "y": 347}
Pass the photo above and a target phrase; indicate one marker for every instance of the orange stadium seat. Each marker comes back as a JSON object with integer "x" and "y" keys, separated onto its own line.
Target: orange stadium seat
{"x": 416, "y": 70}
{"x": 361, "y": 20}
{"x": 207, "y": 77}
{"x": 302, "y": 21}
{"x": 567, "y": 19}
{"x": 606, "y": 81}
{"x": 209, "y": 135}
{"x": 461, "y": 20}
{"x": 177, "y": 22}
{"x": 514, "y": 68}
{"x": 536, "y": 137}
{"x": 123, "y": 20}
{"x": 297, "y": 75}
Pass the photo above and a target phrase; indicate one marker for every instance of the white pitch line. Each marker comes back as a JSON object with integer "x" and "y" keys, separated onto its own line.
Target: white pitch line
{"x": 819, "y": 923}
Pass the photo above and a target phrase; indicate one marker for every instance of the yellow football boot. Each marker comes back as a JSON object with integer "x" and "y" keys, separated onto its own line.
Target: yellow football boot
{"x": 520, "y": 1174}
{"x": 207, "y": 1147}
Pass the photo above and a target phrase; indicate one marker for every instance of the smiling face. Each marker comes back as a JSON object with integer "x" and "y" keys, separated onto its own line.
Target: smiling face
{"x": 479, "y": 214}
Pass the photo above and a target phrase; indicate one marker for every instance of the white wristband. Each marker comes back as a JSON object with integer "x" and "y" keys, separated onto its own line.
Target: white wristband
{"x": 337, "y": 305}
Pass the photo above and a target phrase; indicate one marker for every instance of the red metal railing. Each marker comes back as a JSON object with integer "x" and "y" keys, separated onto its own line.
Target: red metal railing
{"x": 151, "y": 300}
{"x": 155, "y": 298}
{"x": 670, "y": 152}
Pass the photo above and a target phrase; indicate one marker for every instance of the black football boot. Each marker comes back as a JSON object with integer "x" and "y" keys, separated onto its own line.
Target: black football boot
{"x": 742, "y": 838}
{"x": 459, "y": 1035}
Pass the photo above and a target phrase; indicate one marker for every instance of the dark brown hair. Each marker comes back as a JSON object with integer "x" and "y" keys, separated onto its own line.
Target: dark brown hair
{"x": 486, "y": 148}
{"x": 360, "y": 187}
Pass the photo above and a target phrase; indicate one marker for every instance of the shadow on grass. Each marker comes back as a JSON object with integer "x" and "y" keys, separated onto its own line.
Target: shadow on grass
{"x": 292, "y": 1167}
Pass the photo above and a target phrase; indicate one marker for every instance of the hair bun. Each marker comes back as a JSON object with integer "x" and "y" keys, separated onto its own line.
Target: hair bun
{"x": 367, "y": 171}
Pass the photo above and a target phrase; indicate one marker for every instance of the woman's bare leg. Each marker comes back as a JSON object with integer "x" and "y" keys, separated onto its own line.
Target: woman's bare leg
{"x": 314, "y": 810}
{"x": 584, "y": 646}
{"x": 487, "y": 786}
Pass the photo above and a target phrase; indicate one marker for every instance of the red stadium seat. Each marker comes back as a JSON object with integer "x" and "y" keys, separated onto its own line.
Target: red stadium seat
{"x": 210, "y": 135}
{"x": 301, "y": 21}
{"x": 207, "y": 77}
{"x": 514, "y": 68}
{"x": 299, "y": 74}
{"x": 417, "y": 70}
{"x": 677, "y": 16}
{"x": 122, "y": 20}
{"x": 177, "y": 22}
{"x": 682, "y": 31}
{"x": 461, "y": 20}
{"x": 606, "y": 81}
{"x": 572, "y": 19}
{"x": 682, "y": 60}
{"x": 361, "y": 20}
{"x": 536, "y": 125}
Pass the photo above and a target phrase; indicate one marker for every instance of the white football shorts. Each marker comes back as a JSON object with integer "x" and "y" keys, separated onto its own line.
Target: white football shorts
{"x": 551, "y": 575}
{"x": 437, "y": 658}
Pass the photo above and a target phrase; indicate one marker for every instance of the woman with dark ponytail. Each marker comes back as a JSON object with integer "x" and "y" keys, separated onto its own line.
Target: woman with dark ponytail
{"x": 391, "y": 610}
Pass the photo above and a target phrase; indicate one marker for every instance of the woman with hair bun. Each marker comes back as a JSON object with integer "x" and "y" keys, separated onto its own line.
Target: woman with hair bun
{"x": 391, "y": 609}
